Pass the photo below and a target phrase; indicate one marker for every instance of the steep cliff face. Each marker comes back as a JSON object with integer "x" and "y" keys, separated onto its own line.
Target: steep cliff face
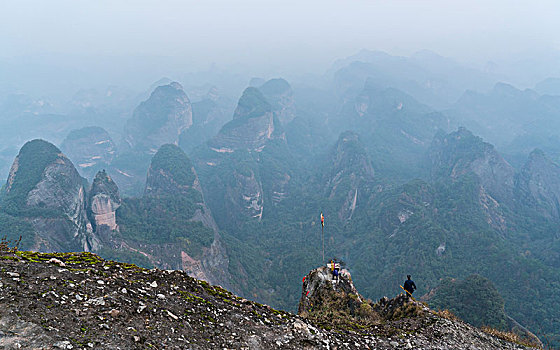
{"x": 104, "y": 200}
{"x": 160, "y": 119}
{"x": 90, "y": 149}
{"x": 538, "y": 184}
{"x": 350, "y": 174}
{"x": 45, "y": 189}
{"x": 460, "y": 153}
{"x": 280, "y": 95}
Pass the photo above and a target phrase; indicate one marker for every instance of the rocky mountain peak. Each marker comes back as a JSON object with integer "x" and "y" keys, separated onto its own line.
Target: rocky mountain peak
{"x": 461, "y": 153}
{"x": 160, "y": 119}
{"x": 45, "y": 189}
{"x": 351, "y": 154}
{"x": 251, "y": 104}
{"x": 320, "y": 287}
{"x": 253, "y": 125}
{"x": 171, "y": 173}
{"x": 280, "y": 95}
{"x": 104, "y": 200}
{"x": 538, "y": 184}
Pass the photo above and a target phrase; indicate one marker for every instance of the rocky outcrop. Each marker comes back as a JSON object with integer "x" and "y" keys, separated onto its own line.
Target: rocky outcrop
{"x": 160, "y": 119}
{"x": 280, "y": 95}
{"x": 538, "y": 184}
{"x": 320, "y": 288}
{"x": 349, "y": 175}
{"x": 90, "y": 149}
{"x": 170, "y": 173}
{"x": 395, "y": 323}
{"x": 45, "y": 188}
{"x": 246, "y": 195}
{"x": 104, "y": 200}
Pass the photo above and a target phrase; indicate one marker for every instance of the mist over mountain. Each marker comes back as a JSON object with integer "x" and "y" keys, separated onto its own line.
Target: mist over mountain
{"x": 212, "y": 141}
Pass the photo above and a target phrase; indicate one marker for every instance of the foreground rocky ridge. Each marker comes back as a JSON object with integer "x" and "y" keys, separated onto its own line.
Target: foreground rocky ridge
{"x": 79, "y": 301}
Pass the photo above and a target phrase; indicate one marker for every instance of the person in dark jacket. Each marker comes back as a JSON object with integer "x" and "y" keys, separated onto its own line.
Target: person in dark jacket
{"x": 409, "y": 286}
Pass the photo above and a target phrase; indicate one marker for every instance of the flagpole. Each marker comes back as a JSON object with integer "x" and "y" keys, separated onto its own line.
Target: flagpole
{"x": 323, "y": 234}
{"x": 323, "y": 239}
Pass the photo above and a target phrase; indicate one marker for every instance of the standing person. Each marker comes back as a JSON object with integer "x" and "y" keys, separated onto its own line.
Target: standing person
{"x": 336, "y": 273}
{"x": 409, "y": 286}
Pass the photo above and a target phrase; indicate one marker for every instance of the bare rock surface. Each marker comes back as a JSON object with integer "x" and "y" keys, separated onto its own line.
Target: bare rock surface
{"x": 104, "y": 200}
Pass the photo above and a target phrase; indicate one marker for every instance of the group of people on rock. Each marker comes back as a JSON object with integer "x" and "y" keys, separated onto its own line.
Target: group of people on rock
{"x": 409, "y": 286}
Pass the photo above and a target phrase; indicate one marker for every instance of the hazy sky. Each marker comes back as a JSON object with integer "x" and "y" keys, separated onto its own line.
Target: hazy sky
{"x": 308, "y": 34}
{"x": 223, "y": 30}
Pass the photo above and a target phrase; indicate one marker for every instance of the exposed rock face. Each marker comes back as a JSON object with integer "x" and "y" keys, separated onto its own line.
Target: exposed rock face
{"x": 104, "y": 200}
{"x": 461, "y": 153}
{"x": 539, "y": 184}
{"x": 246, "y": 196}
{"x": 44, "y": 187}
{"x": 89, "y": 149}
{"x": 350, "y": 175}
{"x": 281, "y": 98}
{"x": 160, "y": 119}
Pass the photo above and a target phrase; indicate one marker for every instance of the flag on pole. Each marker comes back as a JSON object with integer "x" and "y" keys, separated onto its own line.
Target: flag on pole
{"x": 322, "y": 220}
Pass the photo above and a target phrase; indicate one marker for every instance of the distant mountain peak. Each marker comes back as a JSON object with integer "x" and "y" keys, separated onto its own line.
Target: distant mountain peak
{"x": 104, "y": 200}
{"x": 171, "y": 172}
{"x": 251, "y": 104}
{"x": 461, "y": 153}
{"x": 539, "y": 184}
{"x": 160, "y": 119}
{"x": 44, "y": 185}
